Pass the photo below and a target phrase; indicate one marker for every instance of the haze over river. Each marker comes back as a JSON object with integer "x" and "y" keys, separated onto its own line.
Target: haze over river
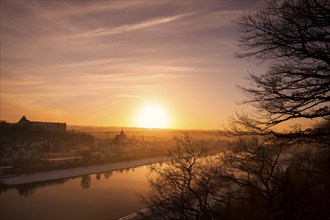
{"x": 108, "y": 195}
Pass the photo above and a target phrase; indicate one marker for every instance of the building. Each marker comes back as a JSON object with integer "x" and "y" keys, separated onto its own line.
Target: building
{"x": 120, "y": 138}
{"x": 44, "y": 126}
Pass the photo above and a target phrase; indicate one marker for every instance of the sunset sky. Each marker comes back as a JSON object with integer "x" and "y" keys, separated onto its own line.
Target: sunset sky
{"x": 101, "y": 62}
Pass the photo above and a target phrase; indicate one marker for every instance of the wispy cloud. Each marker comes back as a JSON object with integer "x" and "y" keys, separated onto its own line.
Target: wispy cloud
{"x": 127, "y": 96}
{"x": 129, "y": 27}
{"x": 67, "y": 54}
{"x": 69, "y": 9}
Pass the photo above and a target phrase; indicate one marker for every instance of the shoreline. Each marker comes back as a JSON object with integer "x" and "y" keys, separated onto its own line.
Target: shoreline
{"x": 78, "y": 171}
{"x": 137, "y": 215}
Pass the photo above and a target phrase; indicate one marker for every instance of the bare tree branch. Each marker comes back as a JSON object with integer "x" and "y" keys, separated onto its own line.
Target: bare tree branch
{"x": 295, "y": 37}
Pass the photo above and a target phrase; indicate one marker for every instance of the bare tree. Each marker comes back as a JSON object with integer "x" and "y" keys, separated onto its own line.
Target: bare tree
{"x": 294, "y": 38}
{"x": 259, "y": 171}
{"x": 258, "y": 178}
{"x": 308, "y": 187}
{"x": 253, "y": 181}
{"x": 272, "y": 181}
{"x": 190, "y": 187}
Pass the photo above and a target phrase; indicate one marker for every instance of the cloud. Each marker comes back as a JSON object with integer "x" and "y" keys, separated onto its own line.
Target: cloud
{"x": 65, "y": 54}
{"x": 127, "y": 96}
{"x": 65, "y": 9}
{"x": 129, "y": 27}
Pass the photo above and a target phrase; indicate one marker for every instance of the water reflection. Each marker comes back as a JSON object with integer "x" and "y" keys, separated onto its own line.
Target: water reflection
{"x": 107, "y": 175}
{"x": 26, "y": 191}
{"x": 29, "y": 189}
{"x": 85, "y": 182}
{"x": 113, "y": 194}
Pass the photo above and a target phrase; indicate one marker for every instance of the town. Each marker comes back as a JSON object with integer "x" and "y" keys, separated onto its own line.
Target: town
{"x": 31, "y": 146}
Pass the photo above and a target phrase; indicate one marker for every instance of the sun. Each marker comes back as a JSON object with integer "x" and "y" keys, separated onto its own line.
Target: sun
{"x": 152, "y": 116}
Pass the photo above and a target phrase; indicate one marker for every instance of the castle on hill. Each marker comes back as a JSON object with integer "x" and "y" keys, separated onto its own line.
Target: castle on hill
{"x": 44, "y": 126}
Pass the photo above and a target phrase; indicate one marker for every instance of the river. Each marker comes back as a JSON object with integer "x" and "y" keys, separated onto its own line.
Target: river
{"x": 108, "y": 195}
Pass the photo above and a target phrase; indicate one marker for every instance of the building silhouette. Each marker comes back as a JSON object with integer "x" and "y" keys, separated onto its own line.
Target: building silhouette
{"x": 44, "y": 126}
{"x": 120, "y": 138}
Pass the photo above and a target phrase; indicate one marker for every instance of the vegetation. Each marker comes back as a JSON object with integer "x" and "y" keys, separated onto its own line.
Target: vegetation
{"x": 255, "y": 179}
{"x": 267, "y": 173}
{"x": 294, "y": 38}
{"x": 187, "y": 187}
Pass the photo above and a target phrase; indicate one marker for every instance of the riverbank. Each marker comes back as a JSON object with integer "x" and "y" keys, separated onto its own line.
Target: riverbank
{"x": 139, "y": 215}
{"x": 79, "y": 171}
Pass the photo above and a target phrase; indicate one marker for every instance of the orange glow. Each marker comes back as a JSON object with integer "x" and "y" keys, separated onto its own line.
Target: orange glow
{"x": 152, "y": 116}
{"x": 101, "y": 72}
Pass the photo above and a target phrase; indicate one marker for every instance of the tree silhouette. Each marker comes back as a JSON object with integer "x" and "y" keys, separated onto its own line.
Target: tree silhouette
{"x": 189, "y": 187}
{"x": 294, "y": 38}
{"x": 254, "y": 179}
{"x": 260, "y": 175}
{"x": 263, "y": 177}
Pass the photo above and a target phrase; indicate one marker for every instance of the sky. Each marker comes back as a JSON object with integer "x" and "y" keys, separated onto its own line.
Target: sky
{"x": 100, "y": 62}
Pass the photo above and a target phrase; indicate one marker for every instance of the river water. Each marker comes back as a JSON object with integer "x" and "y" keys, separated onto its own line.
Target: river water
{"x": 108, "y": 195}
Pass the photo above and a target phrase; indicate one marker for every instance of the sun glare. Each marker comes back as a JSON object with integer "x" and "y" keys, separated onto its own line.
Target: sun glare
{"x": 152, "y": 116}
